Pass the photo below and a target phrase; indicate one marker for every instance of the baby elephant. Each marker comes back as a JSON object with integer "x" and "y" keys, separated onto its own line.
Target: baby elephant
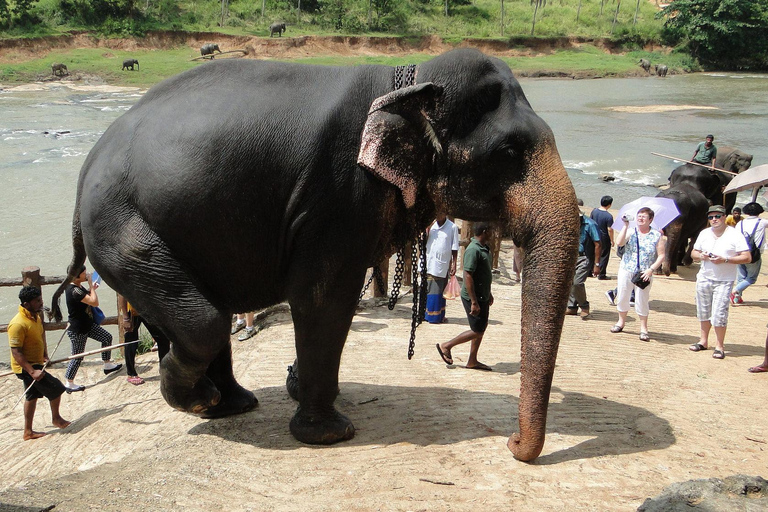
{"x": 661, "y": 70}
{"x": 59, "y": 69}
{"x": 209, "y": 48}
{"x": 129, "y": 63}
{"x": 277, "y": 27}
{"x": 645, "y": 64}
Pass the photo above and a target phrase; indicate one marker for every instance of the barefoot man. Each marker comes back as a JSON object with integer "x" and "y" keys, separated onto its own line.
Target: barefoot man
{"x": 28, "y": 355}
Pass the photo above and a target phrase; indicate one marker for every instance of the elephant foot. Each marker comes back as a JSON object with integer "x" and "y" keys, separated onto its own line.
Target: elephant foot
{"x": 325, "y": 429}
{"x": 235, "y": 401}
{"x": 196, "y": 400}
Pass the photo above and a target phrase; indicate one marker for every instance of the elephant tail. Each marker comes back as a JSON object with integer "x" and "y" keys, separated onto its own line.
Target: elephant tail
{"x": 78, "y": 260}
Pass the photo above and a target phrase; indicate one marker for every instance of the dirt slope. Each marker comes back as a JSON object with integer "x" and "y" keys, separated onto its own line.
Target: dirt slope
{"x": 626, "y": 419}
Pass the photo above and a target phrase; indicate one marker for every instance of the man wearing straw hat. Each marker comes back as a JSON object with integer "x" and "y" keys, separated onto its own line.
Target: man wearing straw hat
{"x": 28, "y": 356}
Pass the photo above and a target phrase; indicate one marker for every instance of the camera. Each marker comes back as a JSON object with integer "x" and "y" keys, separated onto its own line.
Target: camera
{"x": 628, "y": 217}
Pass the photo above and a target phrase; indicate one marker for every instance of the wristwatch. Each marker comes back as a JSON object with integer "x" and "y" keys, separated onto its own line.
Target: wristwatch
{"x": 726, "y": 259}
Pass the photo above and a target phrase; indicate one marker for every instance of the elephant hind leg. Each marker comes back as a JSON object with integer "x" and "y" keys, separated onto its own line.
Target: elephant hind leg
{"x": 196, "y": 374}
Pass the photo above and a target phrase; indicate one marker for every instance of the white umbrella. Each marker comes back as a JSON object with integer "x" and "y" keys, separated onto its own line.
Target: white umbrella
{"x": 664, "y": 211}
{"x": 752, "y": 178}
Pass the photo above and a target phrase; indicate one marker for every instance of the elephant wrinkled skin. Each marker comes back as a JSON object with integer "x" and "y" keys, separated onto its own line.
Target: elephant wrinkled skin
{"x": 288, "y": 184}
{"x": 682, "y": 232}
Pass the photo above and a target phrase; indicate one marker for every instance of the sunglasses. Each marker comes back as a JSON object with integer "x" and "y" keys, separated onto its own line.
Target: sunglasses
{"x": 710, "y": 217}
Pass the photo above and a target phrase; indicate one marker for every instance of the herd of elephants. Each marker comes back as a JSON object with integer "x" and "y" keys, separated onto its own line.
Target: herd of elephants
{"x": 297, "y": 179}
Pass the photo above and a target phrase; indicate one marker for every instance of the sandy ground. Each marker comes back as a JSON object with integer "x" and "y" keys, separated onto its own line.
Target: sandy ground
{"x": 626, "y": 419}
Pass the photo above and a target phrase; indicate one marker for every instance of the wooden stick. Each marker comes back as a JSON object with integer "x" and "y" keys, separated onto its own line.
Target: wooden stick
{"x": 75, "y": 356}
{"x": 694, "y": 163}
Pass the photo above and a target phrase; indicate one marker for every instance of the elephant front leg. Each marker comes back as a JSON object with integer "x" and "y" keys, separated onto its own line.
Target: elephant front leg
{"x": 320, "y": 336}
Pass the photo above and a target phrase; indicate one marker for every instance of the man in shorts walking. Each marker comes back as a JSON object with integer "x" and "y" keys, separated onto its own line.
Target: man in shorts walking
{"x": 28, "y": 356}
{"x": 477, "y": 298}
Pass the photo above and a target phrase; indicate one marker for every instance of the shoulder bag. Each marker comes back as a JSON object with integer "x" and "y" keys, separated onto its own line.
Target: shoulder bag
{"x": 637, "y": 277}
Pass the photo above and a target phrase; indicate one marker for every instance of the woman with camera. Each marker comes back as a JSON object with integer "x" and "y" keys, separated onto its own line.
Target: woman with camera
{"x": 643, "y": 254}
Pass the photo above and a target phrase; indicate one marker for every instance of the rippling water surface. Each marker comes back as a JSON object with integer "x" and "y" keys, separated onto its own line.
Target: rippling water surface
{"x": 46, "y": 133}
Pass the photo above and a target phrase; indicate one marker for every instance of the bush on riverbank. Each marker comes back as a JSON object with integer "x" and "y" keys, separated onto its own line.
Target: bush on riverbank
{"x": 635, "y": 21}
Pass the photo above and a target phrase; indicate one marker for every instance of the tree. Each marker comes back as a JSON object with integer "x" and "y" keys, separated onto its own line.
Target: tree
{"x": 728, "y": 34}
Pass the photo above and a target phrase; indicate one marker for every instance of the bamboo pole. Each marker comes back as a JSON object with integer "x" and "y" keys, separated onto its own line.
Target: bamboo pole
{"x": 694, "y": 163}
{"x": 75, "y": 356}
{"x": 43, "y": 369}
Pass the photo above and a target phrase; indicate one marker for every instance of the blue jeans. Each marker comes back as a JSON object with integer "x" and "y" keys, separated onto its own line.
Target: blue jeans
{"x": 747, "y": 275}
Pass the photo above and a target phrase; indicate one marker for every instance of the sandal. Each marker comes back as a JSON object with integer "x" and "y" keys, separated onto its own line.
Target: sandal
{"x": 758, "y": 369}
{"x": 644, "y": 336}
{"x": 697, "y": 347}
{"x": 135, "y": 380}
{"x": 617, "y": 328}
{"x": 718, "y": 354}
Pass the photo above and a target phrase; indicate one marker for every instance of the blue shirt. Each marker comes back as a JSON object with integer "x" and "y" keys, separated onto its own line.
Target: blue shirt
{"x": 604, "y": 220}
{"x": 588, "y": 231}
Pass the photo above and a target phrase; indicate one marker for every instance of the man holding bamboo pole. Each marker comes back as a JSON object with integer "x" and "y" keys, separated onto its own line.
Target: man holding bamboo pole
{"x": 29, "y": 354}
{"x": 706, "y": 152}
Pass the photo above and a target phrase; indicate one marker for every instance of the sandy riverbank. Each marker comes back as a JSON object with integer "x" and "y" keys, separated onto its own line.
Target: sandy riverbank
{"x": 626, "y": 419}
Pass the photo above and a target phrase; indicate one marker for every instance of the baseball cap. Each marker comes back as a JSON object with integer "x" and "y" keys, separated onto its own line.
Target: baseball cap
{"x": 716, "y": 208}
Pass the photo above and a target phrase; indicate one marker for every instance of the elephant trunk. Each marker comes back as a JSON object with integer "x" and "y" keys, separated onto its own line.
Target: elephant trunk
{"x": 543, "y": 218}
{"x": 674, "y": 232}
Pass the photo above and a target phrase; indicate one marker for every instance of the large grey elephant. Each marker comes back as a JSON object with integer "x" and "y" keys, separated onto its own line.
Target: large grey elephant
{"x": 709, "y": 183}
{"x": 129, "y": 63}
{"x": 682, "y": 232}
{"x": 59, "y": 69}
{"x": 289, "y": 183}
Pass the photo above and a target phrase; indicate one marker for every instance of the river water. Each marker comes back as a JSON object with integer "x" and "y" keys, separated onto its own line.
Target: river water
{"x": 602, "y": 126}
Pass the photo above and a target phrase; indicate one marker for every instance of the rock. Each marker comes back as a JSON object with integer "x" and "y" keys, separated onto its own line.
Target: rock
{"x": 734, "y": 493}
{"x": 608, "y": 177}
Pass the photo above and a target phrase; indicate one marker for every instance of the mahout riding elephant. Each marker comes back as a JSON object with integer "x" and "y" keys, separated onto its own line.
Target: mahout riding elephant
{"x": 289, "y": 183}
{"x": 208, "y": 49}
{"x": 682, "y": 232}
{"x": 661, "y": 70}
{"x": 645, "y": 64}
{"x": 277, "y": 27}
{"x": 59, "y": 69}
{"x": 711, "y": 184}
{"x": 129, "y": 63}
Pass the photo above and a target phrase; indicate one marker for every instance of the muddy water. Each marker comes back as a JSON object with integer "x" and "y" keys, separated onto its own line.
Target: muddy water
{"x": 602, "y": 126}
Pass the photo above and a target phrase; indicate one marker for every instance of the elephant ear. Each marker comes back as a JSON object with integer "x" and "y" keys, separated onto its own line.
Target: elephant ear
{"x": 398, "y": 142}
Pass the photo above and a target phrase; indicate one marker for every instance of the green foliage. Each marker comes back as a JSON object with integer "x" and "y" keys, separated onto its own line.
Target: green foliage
{"x": 727, "y": 34}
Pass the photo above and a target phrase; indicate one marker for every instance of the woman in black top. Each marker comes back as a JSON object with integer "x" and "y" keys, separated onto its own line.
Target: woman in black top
{"x": 81, "y": 327}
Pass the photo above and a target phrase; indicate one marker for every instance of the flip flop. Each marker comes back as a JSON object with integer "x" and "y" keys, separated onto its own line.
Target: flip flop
{"x": 446, "y": 357}
{"x": 617, "y": 328}
{"x": 718, "y": 354}
{"x": 480, "y": 366}
{"x": 758, "y": 369}
{"x": 697, "y": 347}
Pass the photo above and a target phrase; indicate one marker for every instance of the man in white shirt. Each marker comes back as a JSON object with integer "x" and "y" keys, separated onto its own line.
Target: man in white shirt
{"x": 442, "y": 251}
{"x": 719, "y": 248}
{"x": 753, "y": 226}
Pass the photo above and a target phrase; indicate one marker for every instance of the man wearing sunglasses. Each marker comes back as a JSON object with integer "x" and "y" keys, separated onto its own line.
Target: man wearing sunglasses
{"x": 720, "y": 249}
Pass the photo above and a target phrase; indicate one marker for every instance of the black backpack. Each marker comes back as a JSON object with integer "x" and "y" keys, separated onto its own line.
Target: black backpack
{"x": 754, "y": 250}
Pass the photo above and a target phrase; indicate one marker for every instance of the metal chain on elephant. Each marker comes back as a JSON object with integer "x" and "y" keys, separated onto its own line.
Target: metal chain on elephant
{"x": 419, "y": 279}
{"x": 375, "y": 273}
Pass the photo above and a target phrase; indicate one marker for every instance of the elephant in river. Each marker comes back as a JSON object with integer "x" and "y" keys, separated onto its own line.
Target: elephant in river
{"x": 661, "y": 70}
{"x": 294, "y": 179}
{"x": 710, "y": 183}
{"x": 209, "y": 48}
{"x": 129, "y": 63}
{"x": 277, "y": 27}
{"x": 682, "y": 232}
{"x": 59, "y": 69}
{"x": 645, "y": 64}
